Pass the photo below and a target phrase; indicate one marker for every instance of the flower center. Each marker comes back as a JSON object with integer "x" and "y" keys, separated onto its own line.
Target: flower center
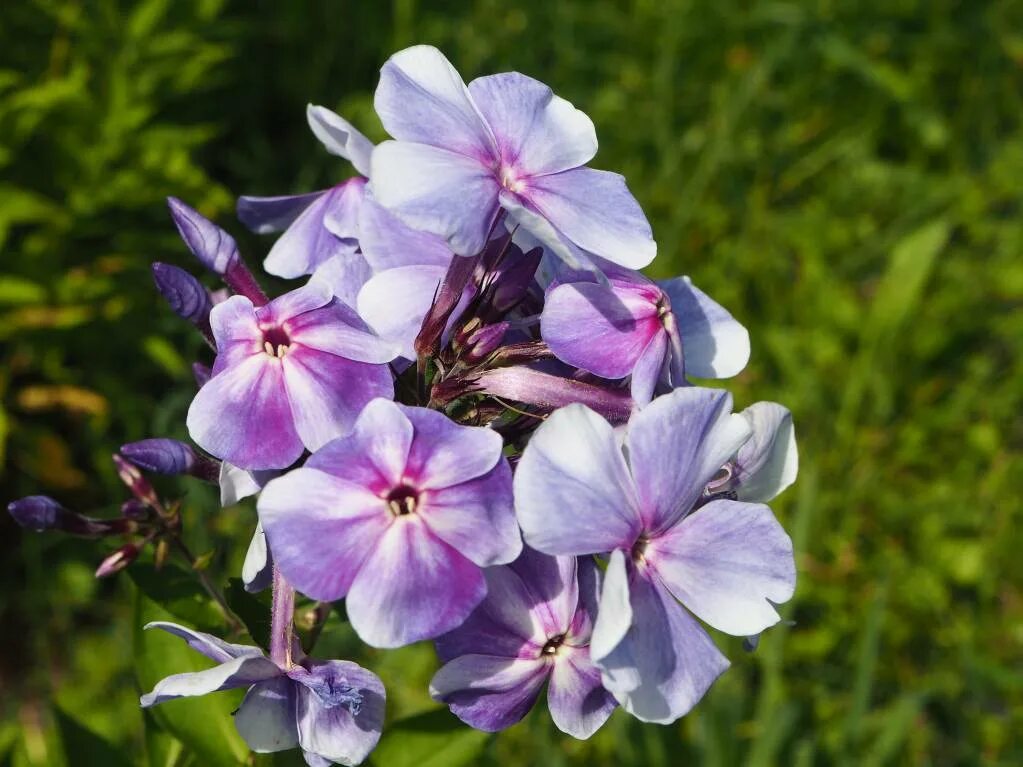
{"x": 403, "y": 500}
{"x": 553, "y": 644}
{"x": 509, "y": 179}
{"x": 639, "y": 548}
{"x": 276, "y": 341}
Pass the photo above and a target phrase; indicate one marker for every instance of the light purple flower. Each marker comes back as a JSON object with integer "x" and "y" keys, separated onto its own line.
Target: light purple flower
{"x": 333, "y": 710}
{"x": 580, "y": 490}
{"x": 533, "y": 628}
{"x": 398, "y": 517}
{"x": 655, "y": 332}
{"x": 504, "y": 142}
{"x": 288, "y": 376}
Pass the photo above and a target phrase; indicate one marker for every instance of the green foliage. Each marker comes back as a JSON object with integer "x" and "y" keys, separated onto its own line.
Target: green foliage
{"x": 844, "y": 176}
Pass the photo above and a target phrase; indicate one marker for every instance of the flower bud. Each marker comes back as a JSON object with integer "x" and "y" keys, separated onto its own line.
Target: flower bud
{"x": 134, "y": 510}
{"x": 139, "y": 485}
{"x": 119, "y": 560}
{"x": 214, "y": 247}
{"x": 41, "y": 513}
{"x": 482, "y": 343}
{"x": 159, "y": 455}
{"x": 184, "y": 293}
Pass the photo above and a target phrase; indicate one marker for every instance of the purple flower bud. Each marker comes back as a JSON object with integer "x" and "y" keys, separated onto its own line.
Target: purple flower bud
{"x": 159, "y": 455}
{"x": 201, "y": 373}
{"x": 214, "y": 247}
{"x": 41, "y": 513}
{"x": 134, "y": 510}
{"x": 512, "y": 277}
{"x": 119, "y": 560}
{"x": 482, "y": 343}
{"x": 133, "y": 479}
{"x": 186, "y": 295}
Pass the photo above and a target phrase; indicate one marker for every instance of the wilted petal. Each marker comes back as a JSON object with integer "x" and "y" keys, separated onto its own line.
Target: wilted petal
{"x": 388, "y": 244}
{"x": 676, "y": 444}
{"x": 488, "y": 692}
{"x": 340, "y": 710}
{"x": 394, "y": 303}
{"x": 212, "y": 647}
{"x": 266, "y": 717}
{"x": 340, "y": 137}
{"x": 600, "y": 328}
{"x": 665, "y": 663}
{"x": 573, "y": 492}
{"x": 768, "y": 462}
{"x": 422, "y": 98}
{"x": 729, "y": 563}
{"x": 265, "y": 215}
{"x": 596, "y": 211}
{"x": 714, "y": 343}
{"x": 578, "y": 702}
{"x": 536, "y": 132}
{"x": 237, "y": 672}
{"x": 414, "y": 586}
{"x": 438, "y": 191}
{"x": 320, "y": 529}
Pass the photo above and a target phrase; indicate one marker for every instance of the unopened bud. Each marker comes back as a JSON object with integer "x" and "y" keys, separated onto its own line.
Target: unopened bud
{"x": 119, "y": 560}
{"x": 134, "y": 510}
{"x": 133, "y": 479}
{"x": 41, "y": 513}
{"x": 159, "y": 455}
{"x": 214, "y": 247}
{"x": 185, "y": 295}
{"x": 485, "y": 341}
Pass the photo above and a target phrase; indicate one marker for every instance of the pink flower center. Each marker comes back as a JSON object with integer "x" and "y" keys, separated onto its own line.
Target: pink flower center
{"x": 276, "y": 342}
{"x": 403, "y": 500}
{"x": 553, "y": 645}
{"x": 510, "y": 179}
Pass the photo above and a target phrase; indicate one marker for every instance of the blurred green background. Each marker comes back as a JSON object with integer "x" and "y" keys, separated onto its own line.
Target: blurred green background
{"x": 846, "y": 177}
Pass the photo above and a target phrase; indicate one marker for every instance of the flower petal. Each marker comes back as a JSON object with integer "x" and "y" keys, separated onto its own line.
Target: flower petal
{"x": 445, "y": 453}
{"x": 337, "y": 329}
{"x": 288, "y": 307}
{"x": 344, "y": 275}
{"x": 236, "y": 330}
{"x": 266, "y": 717}
{"x": 768, "y": 462}
{"x": 237, "y": 672}
{"x": 320, "y": 529}
{"x": 307, "y": 242}
{"x": 387, "y": 243}
{"x": 536, "y": 132}
{"x": 614, "y": 613}
{"x": 336, "y": 731}
{"x": 236, "y": 483}
{"x": 412, "y": 586}
{"x": 675, "y": 445}
{"x": 437, "y": 191}
{"x": 715, "y": 345}
{"x": 596, "y": 211}
{"x": 264, "y": 215}
{"x": 395, "y": 302}
{"x": 340, "y": 137}
{"x": 476, "y": 517}
{"x": 489, "y": 692}
{"x": 665, "y": 663}
{"x": 729, "y": 563}
{"x": 422, "y": 98}
{"x": 531, "y": 228}
{"x": 212, "y": 647}
{"x": 573, "y": 492}
{"x": 578, "y": 702}
{"x": 649, "y": 369}
{"x": 600, "y": 328}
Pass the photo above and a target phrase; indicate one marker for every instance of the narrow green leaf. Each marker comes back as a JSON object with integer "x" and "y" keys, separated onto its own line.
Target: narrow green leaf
{"x": 433, "y": 739}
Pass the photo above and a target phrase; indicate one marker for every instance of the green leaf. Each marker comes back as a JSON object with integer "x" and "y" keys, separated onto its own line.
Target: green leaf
{"x": 179, "y": 593}
{"x": 203, "y": 724}
{"x": 83, "y": 747}
{"x": 162, "y": 748}
{"x": 17, "y": 290}
{"x": 252, "y": 609}
{"x": 432, "y": 739}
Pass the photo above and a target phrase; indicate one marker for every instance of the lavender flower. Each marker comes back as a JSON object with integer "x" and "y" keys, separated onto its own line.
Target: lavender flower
{"x": 333, "y": 710}
{"x": 579, "y": 490}
{"x": 505, "y": 142}
{"x": 398, "y": 517}
{"x": 533, "y": 628}
{"x": 288, "y": 376}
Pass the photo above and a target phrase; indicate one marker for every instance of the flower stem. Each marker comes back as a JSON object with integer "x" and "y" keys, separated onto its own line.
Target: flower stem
{"x": 233, "y": 620}
{"x": 282, "y": 617}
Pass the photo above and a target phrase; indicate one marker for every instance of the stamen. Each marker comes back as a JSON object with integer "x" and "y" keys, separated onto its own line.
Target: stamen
{"x": 553, "y": 644}
{"x": 276, "y": 342}
{"x": 639, "y": 548}
{"x": 403, "y": 500}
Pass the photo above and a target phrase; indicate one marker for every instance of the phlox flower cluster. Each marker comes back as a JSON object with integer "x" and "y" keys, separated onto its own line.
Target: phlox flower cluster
{"x": 473, "y": 420}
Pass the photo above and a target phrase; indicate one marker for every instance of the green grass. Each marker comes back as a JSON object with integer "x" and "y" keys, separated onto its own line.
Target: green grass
{"x": 846, "y": 177}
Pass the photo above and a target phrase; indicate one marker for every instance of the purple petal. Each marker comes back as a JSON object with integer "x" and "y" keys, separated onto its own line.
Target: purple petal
{"x": 340, "y": 137}
{"x": 212, "y": 647}
{"x": 614, "y": 614}
{"x": 549, "y": 589}
{"x": 387, "y": 243}
{"x": 214, "y": 247}
{"x": 308, "y": 242}
{"x": 676, "y": 444}
{"x": 266, "y": 717}
{"x": 265, "y": 215}
{"x": 344, "y": 275}
{"x": 321, "y": 529}
{"x": 437, "y": 191}
{"x": 729, "y": 563}
{"x": 236, "y": 331}
{"x": 412, "y": 586}
{"x": 602, "y": 329}
{"x": 338, "y": 330}
{"x": 715, "y": 345}
{"x": 293, "y": 304}
{"x": 768, "y": 462}
{"x": 330, "y": 724}
{"x": 573, "y": 492}
{"x": 536, "y": 132}
{"x": 476, "y": 517}
{"x": 395, "y": 302}
{"x": 237, "y": 672}
{"x": 374, "y": 455}
{"x": 665, "y": 663}
{"x": 257, "y": 569}
{"x": 649, "y": 370}
{"x": 578, "y": 702}
{"x": 242, "y": 416}
{"x": 532, "y": 228}
{"x": 422, "y": 98}
{"x": 236, "y": 483}
{"x": 327, "y": 392}
{"x": 445, "y": 453}
{"x": 488, "y": 692}
{"x": 596, "y": 211}
{"x": 186, "y": 296}
{"x": 342, "y": 218}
